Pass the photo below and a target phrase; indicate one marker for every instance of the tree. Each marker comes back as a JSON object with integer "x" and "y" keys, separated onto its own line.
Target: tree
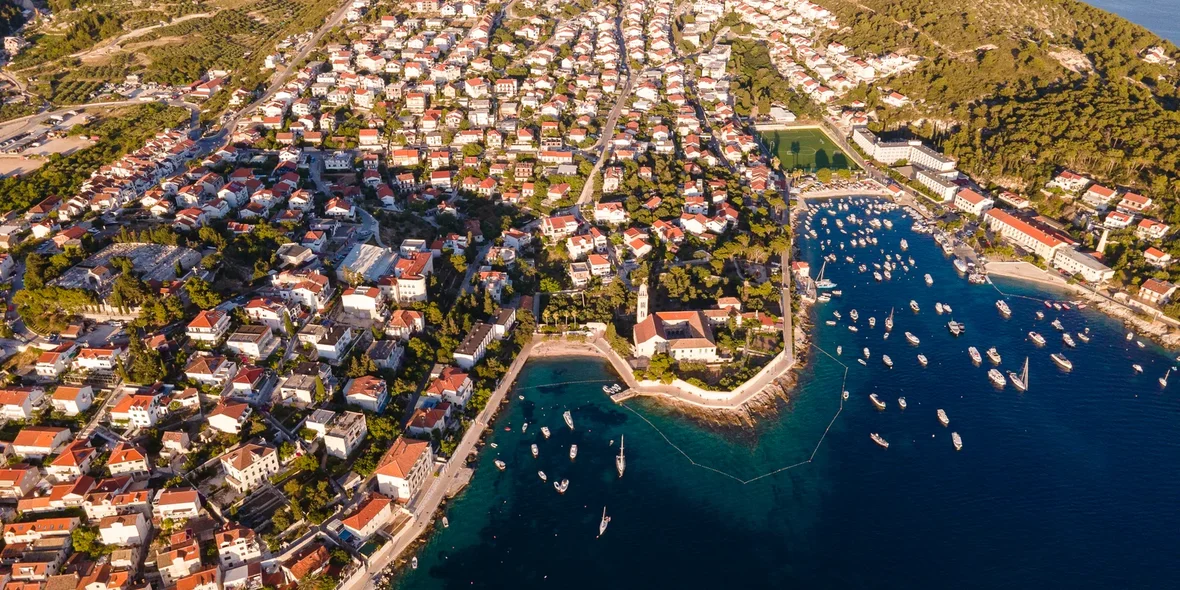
{"x": 143, "y": 365}
{"x": 201, "y": 293}
{"x": 288, "y": 325}
{"x": 321, "y": 395}
{"x": 86, "y": 540}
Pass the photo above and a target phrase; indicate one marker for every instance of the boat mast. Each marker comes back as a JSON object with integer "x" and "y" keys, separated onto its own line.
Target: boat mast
{"x": 1024, "y": 377}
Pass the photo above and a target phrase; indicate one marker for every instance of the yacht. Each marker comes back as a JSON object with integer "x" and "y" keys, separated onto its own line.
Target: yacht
{"x": 500, "y": 464}
{"x": 938, "y": 307}
{"x": 573, "y": 452}
{"x": 862, "y": 362}
{"x": 837, "y": 315}
{"x": 852, "y": 328}
{"x": 912, "y": 339}
{"x": 414, "y": 562}
{"x": 839, "y": 350}
{"x": 888, "y": 361}
{"x": 1138, "y": 368}
{"x": 960, "y": 265}
{"x": 1003, "y": 307}
{"x": 602, "y": 523}
{"x": 996, "y": 377}
{"x": 994, "y": 355}
{"x": 621, "y": 460}
{"x": 942, "y": 419}
{"x": 830, "y": 322}
{"x": 1068, "y": 340}
{"x": 958, "y": 440}
{"x": 904, "y": 245}
{"x": 880, "y": 405}
{"x": 837, "y": 293}
{"x": 872, "y": 322}
{"x": 569, "y": 419}
{"x": 866, "y": 352}
{"x": 541, "y": 474}
{"x": 914, "y": 306}
{"x": 955, "y": 327}
{"x": 1036, "y": 338}
{"x": 877, "y": 276}
{"x": 1040, "y": 315}
{"x": 1164, "y": 379}
{"x": 1020, "y": 382}
{"x": 947, "y": 308}
{"x": 929, "y": 280}
{"x": 888, "y": 277}
{"x": 1084, "y": 336}
{"x": 561, "y": 486}
{"x": 524, "y": 427}
{"x": 545, "y": 431}
{"x": 446, "y": 523}
{"x": 1140, "y": 344}
{"x": 823, "y": 298}
{"x": 922, "y": 360}
{"x": 889, "y": 321}
{"x": 974, "y": 352}
{"x": 880, "y": 441}
{"x": 1057, "y": 324}
{"x": 535, "y": 450}
{"x": 821, "y": 282}
{"x": 1061, "y": 361}
{"x": 1130, "y": 336}
{"x": 901, "y": 402}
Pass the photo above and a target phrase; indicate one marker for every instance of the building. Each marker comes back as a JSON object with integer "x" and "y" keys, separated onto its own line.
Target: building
{"x": 969, "y": 201}
{"x": 176, "y": 504}
{"x": 371, "y": 516}
{"x": 1022, "y": 233}
{"x": 209, "y": 326}
{"x": 38, "y": 442}
{"x": 254, "y": 341}
{"x": 249, "y": 465}
{"x": 127, "y": 459}
{"x": 473, "y": 347}
{"x": 452, "y": 385}
{"x": 1077, "y": 263}
{"x": 1157, "y": 258}
{"x": 229, "y": 417}
{"x": 237, "y": 545}
{"x": 70, "y": 401}
{"x": 404, "y": 468}
{"x": 684, "y": 335}
{"x": 124, "y": 530}
{"x": 368, "y": 393}
{"x": 344, "y": 433}
{"x": 1156, "y": 292}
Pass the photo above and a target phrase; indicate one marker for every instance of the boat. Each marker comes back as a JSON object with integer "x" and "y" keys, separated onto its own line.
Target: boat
{"x": 866, "y": 352}
{"x": 541, "y": 474}
{"x": 845, "y": 394}
{"x": 535, "y": 450}
{"x": 942, "y": 419}
{"x": 414, "y": 562}
{"x": 958, "y": 440}
{"x": 880, "y": 405}
{"x": 821, "y": 282}
{"x": 912, "y": 339}
{"x": 1003, "y": 307}
{"x": 852, "y": 328}
{"x": 1084, "y": 337}
{"x": 1048, "y": 304}
{"x": 495, "y": 446}
{"x": 569, "y": 419}
{"x": 573, "y": 452}
{"x": 960, "y": 265}
{"x": 1164, "y": 380}
{"x": 889, "y": 321}
{"x": 880, "y": 441}
{"x": 996, "y": 377}
{"x": 830, "y": 323}
{"x": 621, "y": 460}
{"x": 1040, "y": 315}
{"x": 1036, "y": 338}
{"x": 872, "y": 322}
{"x": 974, "y": 352}
{"x": 1061, "y": 361}
{"x": 1020, "y": 382}
{"x": 839, "y": 350}
{"x": 955, "y": 327}
{"x": 1057, "y": 324}
{"x": 500, "y": 464}
{"x": 524, "y": 427}
{"x": 446, "y": 523}
{"x": 888, "y": 277}
{"x": 947, "y": 308}
{"x": 561, "y": 486}
{"x": 862, "y": 361}
{"x": 914, "y": 306}
{"x": 901, "y": 402}
{"x": 1068, "y": 340}
{"x": 888, "y": 361}
{"x": 837, "y": 293}
{"x": 922, "y": 360}
{"x": 602, "y": 524}
{"x": 837, "y": 315}
{"x": 929, "y": 280}
{"x": 545, "y": 431}
{"x": 904, "y": 244}
{"x": 1130, "y": 336}
{"x": 1138, "y": 368}
{"x": 994, "y": 355}
{"x": 1140, "y": 344}
{"x": 877, "y": 276}
{"x": 854, "y": 315}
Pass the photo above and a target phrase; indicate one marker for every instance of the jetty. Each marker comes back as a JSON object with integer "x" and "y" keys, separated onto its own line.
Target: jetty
{"x": 623, "y": 396}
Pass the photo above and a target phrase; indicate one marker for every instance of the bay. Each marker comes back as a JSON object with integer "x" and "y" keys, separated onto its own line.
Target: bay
{"x": 1068, "y": 485}
{"x": 1160, "y": 17}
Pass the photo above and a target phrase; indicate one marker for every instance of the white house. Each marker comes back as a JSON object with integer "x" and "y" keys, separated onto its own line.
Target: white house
{"x": 404, "y": 468}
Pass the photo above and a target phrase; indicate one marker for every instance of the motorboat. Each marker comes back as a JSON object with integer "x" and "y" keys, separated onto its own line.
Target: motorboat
{"x": 955, "y": 327}
{"x": 942, "y": 419}
{"x": 862, "y": 362}
{"x": 996, "y": 377}
{"x": 1036, "y": 338}
{"x": 1084, "y": 337}
{"x": 500, "y": 464}
{"x": 830, "y": 323}
{"x": 993, "y": 355}
{"x": 901, "y": 402}
{"x": 922, "y": 360}
{"x": 912, "y": 339}
{"x": 866, "y": 352}
{"x": 872, "y": 322}
{"x": 877, "y": 276}
{"x": 414, "y": 562}
{"x": 1138, "y": 368}
{"x": 569, "y": 419}
{"x": 561, "y": 486}
{"x": 446, "y": 523}
{"x": 914, "y": 306}
{"x": 839, "y": 350}
{"x": 1068, "y": 340}
{"x": 947, "y": 308}
{"x": 1130, "y": 336}
{"x": 880, "y": 441}
{"x": 974, "y": 353}
{"x": 845, "y": 394}
{"x": 957, "y": 440}
{"x": 1040, "y": 315}
{"x": 1056, "y": 323}
{"x": 938, "y": 307}
{"x": 573, "y": 452}
{"x": 1061, "y": 361}
{"x": 535, "y": 450}
{"x": 852, "y": 328}
{"x": 888, "y": 361}
{"x": 880, "y": 405}
{"x": 545, "y": 431}
{"x": 541, "y": 474}
{"x": 524, "y": 427}
{"x": 960, "y": 265}
{"x": 929, "y": 280}
{"x": 1003, "y": 307}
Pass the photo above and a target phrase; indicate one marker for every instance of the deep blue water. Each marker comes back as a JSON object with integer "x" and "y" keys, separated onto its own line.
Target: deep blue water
{"x": 1161, "y": 17}
{"x": 1071, "y": 484}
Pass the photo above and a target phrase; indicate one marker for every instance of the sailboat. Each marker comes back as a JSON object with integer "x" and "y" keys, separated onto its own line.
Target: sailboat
{"x": 621, "y": 460}
{"x": 821, "y": 282}
{"x": 602, "y": 524}
{"x": 889, "y": 321}
{"x": 1020, "y": 381}
{"x": 1164, "y": 379}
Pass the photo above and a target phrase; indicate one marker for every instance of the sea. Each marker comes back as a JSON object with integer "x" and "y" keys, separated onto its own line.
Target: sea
{"x": 1071, "y": 484}
{"x": 1161, "y": 17}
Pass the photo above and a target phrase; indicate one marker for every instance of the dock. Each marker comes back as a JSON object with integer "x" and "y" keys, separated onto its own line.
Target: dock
{"x": 623, "y": 396}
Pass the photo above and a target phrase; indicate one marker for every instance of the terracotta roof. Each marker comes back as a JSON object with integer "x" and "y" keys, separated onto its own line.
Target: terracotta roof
{"x": 367, "y": 512}
{"x": 126, "y": 453}
{"x": 399, "y": 460}
{"x": 37, "y": 436}
{"x": 246, "y": 455}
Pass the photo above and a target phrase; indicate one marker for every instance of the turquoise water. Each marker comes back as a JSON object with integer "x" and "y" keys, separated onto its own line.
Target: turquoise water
{"x": 1161, "y": 17}
{"x": 1068, "y": 485}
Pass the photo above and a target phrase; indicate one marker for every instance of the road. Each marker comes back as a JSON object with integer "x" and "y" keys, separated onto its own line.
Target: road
{"x": 27, "y": 121}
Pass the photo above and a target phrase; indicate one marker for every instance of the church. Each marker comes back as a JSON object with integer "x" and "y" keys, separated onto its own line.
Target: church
{"x": 684, "y": 335}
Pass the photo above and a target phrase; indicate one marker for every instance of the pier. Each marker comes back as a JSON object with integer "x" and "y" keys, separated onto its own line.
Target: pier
{"x": 623, "y": 396}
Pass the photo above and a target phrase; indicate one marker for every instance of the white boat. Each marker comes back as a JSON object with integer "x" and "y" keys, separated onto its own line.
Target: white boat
{"x": 974, "y": 352}
{"x": 958, "y": 440}
{"x": 821, "y": 282}
{"x": 414, "y": 562}
{"x": 942, "y": 417}
{"x": 541, "y": 474}
{"x": 996, "y": 377}
{"x": 880, "y": 441}
{"x": 1140, "y": 344}
{"x": 888, "y": 361}
{"x": 620, "y": 460}
{"x": 929, "y": 280}
{"x": 524, "y": 427}
{"x": 1057, "y": 324}
{"x": 854, "y": 315}
{"x": 573, "y": 452}
{"x": 446, "y": 523}
{"x": 1036, "y": 338}
{"x": 1020, "y": 382}
{"x": 1130, "y": 336}
{"x": 914, "y": 306}
{"x": 994, "y": 355}
{"x": 1068, "y": 340}
{"x": 561, "y": 486}
{"x": 823, "y": 298}
{"x": 852, "y": 328}
{"x": 845, "y": 394}
{"x": 938, "y": 307}
{"x": 877, "y": 276}
{"x": 1164, "y": 379}
{"x": 880, "y": 405}
{"x": 960, "y": 265}
{"x": 862, "y": 361}
{"x": 947, "y": 308}
{"x": 1003, "y": 307}
{"x": 901, "y": 402}
{"x": 922, "y": 360}
{"x": 830, "y": 323}
{"x": 889, "y": 321}
{"x": 872, "y": 322}
{"x": 866, "y": 352}
{"x": 569, "y": 419}
{"x": 912, "y": 339}
{"x": 839, "y": 350}
{"x": 1084, "y": 337}
{"x": 545, "y": 431}
{"x": 602, "y": 524}
{"x": 500, "y": 464}
{"x": 905, "y": 245}
{"x": 1138, "y": 368}
{"x": 1061, "y": 361}
{"x": 888, "y": 277}
{"x": 1040, "y": 315}
{"x": 535, "y": 450}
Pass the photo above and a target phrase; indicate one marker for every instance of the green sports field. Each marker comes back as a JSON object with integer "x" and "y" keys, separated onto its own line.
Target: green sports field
{"x": 806, "y": 149}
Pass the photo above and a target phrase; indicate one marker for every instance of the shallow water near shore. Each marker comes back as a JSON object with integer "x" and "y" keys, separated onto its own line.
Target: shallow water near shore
{"x": 1068, "y": 485}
